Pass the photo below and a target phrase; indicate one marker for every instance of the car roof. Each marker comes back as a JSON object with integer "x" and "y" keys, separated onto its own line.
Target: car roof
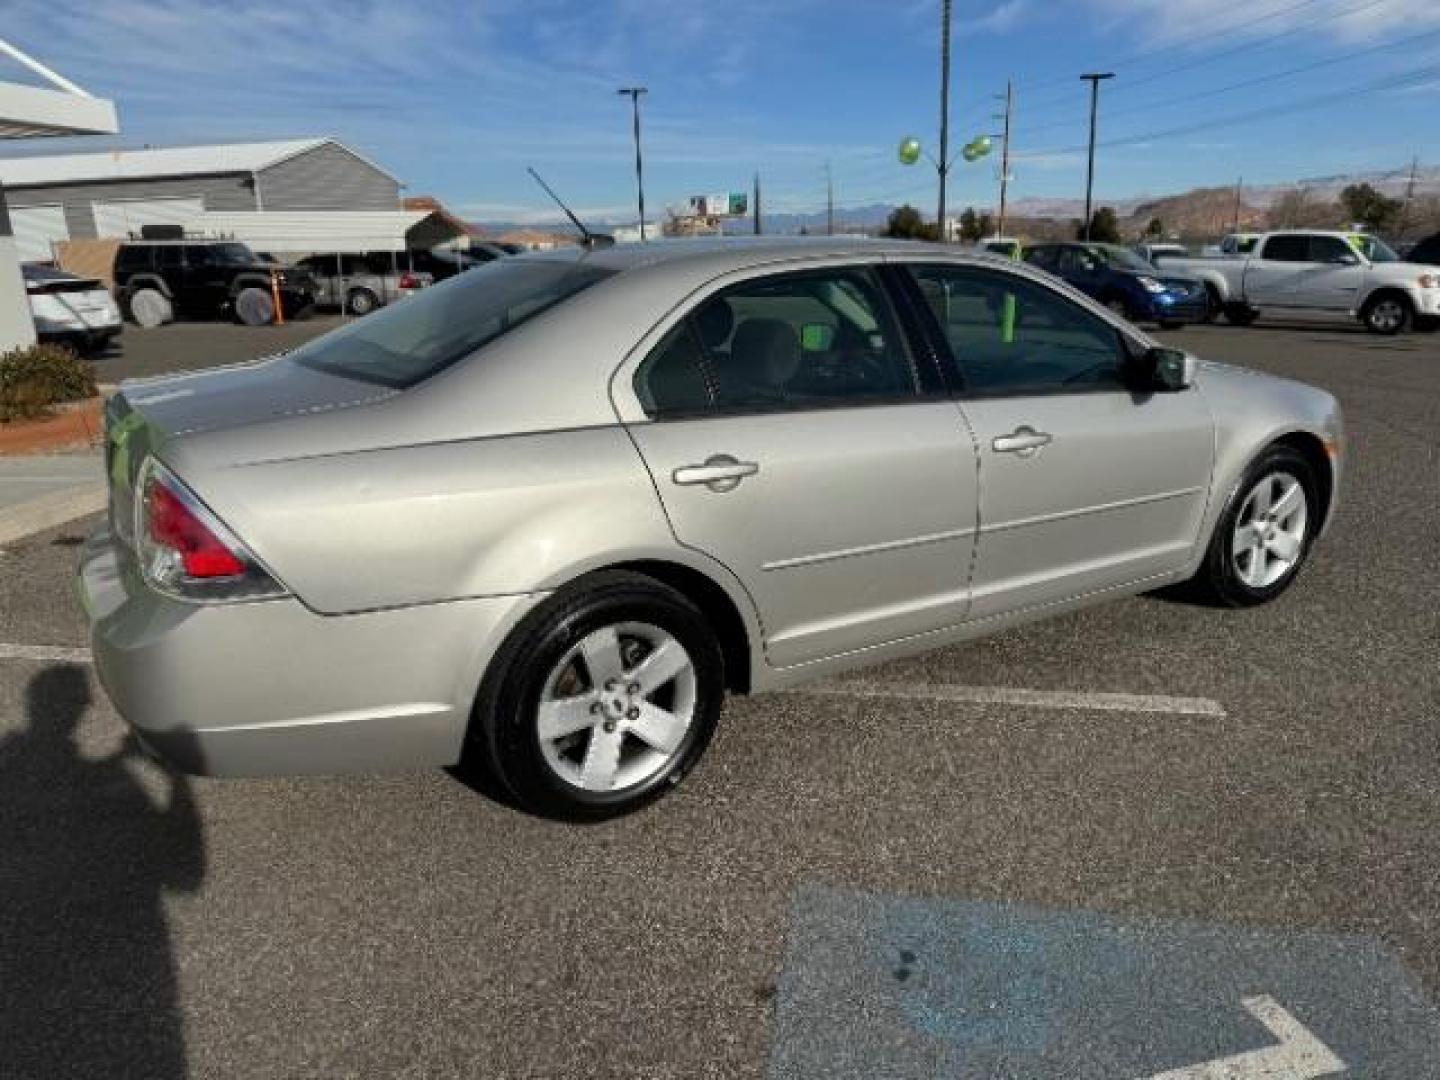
{"x": 740, "y": 252}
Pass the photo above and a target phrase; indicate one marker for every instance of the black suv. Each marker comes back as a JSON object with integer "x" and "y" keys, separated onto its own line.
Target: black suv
{"x": 159, "y": 280}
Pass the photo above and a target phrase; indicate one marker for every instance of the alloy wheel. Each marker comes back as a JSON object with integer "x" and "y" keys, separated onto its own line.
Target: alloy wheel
{"x": 616, "y": 709}
{"x": 1270, "y": 533}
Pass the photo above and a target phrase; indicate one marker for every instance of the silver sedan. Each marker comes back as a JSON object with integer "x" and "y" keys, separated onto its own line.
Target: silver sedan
{"x": 539, "y": 519}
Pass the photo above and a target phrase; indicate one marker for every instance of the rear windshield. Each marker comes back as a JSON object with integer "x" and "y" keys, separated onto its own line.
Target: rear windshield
{"x": 406, "y": 343}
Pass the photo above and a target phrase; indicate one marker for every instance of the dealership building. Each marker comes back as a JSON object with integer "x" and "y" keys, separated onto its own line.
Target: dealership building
{"x": 117, "y": 193}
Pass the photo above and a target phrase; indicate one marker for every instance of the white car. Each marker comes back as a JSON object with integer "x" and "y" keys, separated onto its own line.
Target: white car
{"x": 69, "y": 309}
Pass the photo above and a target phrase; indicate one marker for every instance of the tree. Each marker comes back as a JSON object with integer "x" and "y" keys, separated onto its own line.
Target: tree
{"x": 1371, "y": 208}
{"x": 907, "y": 223}
{"x": 1299, "y": 209}
{"x": 1156, "y": 228}
{"x": 970, "y": 225}
{"x": 1104, "y": 227}
{"x": 987, "y": 227}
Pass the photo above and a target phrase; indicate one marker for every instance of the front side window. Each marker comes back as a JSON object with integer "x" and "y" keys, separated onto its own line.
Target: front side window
{"x": 171, "y": 257}
{"x": 404, "y": 344}
{"x": 1330, "y": 249}
{"x": 1011, "y": 336}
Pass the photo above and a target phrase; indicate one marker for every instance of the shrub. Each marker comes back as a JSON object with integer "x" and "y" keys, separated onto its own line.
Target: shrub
{"x": 34, "y": 378}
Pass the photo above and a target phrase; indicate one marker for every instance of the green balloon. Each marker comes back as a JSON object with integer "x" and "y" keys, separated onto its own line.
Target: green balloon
{"x": 970, "y": 153}
{"x": 982, "y": 145}
{"x": 910, "y": 150}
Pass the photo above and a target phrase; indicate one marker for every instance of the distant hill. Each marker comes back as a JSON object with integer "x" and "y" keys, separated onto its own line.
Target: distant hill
{"x": 1196, "y": 213}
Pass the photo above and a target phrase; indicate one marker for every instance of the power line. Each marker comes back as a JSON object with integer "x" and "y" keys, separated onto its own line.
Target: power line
{"x": 1391, "y": 82}
{"x": 1190, "y": 42}
{"x": 1274, "y": 76}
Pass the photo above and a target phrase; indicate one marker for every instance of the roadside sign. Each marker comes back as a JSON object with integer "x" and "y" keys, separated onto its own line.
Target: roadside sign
{"x": 898, "y": 987}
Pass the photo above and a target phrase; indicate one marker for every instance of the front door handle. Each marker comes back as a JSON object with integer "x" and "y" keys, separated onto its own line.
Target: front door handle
{"x": 720, "y": 472}
{"x": 1025, "y": 441}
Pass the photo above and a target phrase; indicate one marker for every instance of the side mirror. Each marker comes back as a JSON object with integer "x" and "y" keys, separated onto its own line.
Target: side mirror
{"x": 1173, "y": 370}
{"x": 1346, "y": 260}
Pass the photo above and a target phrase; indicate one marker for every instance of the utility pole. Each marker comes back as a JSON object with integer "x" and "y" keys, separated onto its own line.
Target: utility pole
{"x": 829, "y": 201}
{"x": 756, "y": 210}
{"x": 634, "y": 93}
{"x": 1239, "y": 189}
{"x": 1094, "y": 79}
{"x": 944, "y": 163}
{"x": 1409, "y": 195}
{"x": 1005, "y": 156}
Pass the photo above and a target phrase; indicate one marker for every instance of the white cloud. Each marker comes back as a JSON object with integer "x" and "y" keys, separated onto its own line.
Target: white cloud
{"x": 1176, "y": 21}
{"x": 1006, "y": 16}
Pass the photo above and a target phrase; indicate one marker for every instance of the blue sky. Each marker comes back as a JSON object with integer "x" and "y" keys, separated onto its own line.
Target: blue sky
{"x": 457, "y": 98}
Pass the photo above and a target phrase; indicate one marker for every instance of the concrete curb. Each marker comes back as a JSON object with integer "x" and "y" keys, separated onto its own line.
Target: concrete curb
{"x": 47, "y": 511}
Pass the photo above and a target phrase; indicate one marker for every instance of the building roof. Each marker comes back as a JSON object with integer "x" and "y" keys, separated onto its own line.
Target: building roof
{"x": 292, "y": 231}
{"x": 151, "y": 163}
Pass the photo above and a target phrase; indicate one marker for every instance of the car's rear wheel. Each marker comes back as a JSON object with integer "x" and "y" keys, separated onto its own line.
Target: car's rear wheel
{"x": 150, "y": 308}
{"x": 1388, "y": 314}
{"x": 1264, "y": 535}
{"x": 254, "y": 306}
{"x": 602, "y": 700}
{"x": 361, "y": 302}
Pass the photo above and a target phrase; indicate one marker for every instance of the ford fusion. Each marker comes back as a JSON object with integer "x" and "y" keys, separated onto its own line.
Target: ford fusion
{"x": 538, "y": 520}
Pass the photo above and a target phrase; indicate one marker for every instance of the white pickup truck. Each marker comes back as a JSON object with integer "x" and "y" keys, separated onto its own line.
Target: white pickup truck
{"x": 1347, "y": 274}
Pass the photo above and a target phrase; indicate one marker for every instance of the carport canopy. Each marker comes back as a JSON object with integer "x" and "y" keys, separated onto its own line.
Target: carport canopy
{"x": 297, "y": 232}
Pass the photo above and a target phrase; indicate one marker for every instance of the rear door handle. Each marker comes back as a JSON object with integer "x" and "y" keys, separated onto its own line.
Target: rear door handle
{"x": 1025, "y": 441}
{"x": 720, "y": 472}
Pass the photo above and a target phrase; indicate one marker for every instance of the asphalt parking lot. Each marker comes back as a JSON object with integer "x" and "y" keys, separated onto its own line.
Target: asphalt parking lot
{"x": 1119, "y": 844}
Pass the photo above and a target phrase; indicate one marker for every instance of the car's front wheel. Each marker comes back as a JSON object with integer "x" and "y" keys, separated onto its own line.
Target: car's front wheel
{"x": 602, "y": 700}
{"x": 1387, "y": 314}
{"x": 1264, "y": 535}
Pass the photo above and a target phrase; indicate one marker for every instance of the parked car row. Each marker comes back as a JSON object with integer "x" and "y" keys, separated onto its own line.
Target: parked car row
{"x": 1345, "y": 274}
{"x": 157, "y": 281}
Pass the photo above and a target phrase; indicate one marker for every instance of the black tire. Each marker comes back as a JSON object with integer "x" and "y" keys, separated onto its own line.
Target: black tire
{"x": 254, "y": 306}
{"x": 1240, "y": 315}
{"x": 361, "y": 302}
{"x": 1214, "y": 306}
{"x": 1219, "y": 579}
{"x": 1388, "y": 314}
{"x": 504, "y": 741}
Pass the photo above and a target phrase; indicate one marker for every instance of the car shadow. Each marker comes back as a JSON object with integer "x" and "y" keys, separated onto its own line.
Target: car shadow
{"x": 87, "y": 974}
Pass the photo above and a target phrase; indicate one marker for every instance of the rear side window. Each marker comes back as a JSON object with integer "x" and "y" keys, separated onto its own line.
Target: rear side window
{"x": 402, "y": 345}
{"x": 1013, "y": 337}
{"x": 1287, "y": 249}
{"x": 672, "y": 380}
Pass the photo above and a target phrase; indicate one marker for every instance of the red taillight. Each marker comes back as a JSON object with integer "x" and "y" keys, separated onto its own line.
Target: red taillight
{"x": 172, "y": 525}
{"x": 409, "y": 281}
{"x": 185, "y": 551}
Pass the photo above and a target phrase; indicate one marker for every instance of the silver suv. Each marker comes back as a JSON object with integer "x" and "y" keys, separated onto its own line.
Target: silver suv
{"x": 540, "y": 518}
{"x": 361, "y": 283}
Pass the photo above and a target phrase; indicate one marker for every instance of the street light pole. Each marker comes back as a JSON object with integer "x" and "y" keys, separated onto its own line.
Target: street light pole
{"x": 1094, "y": 80}
{"x": 634, "y": 93}
{"x": 943, "y": 165}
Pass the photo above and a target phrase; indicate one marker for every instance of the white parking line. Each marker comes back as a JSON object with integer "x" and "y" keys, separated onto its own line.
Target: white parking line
{"x": 1035, "y": 699}
{"x": 44, "y": 652}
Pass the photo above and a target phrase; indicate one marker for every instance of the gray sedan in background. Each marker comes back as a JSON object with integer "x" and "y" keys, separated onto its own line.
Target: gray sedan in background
{"x": 539, "y": 519}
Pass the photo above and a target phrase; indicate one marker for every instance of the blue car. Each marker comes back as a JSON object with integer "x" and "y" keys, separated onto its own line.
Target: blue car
{"x": 1125, "y": 282}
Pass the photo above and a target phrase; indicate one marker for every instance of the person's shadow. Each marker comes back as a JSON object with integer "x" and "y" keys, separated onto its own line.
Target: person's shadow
{"x": 87, "y": 979}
